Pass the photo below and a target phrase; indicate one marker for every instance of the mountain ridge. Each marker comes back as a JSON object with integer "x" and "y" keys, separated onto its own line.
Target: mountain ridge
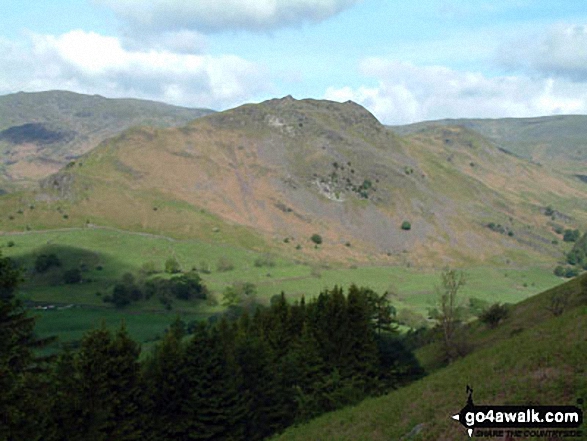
{"x": 559, "y": 139}
{"x": 41, "y": 131}
{"x": 287, "y": 169}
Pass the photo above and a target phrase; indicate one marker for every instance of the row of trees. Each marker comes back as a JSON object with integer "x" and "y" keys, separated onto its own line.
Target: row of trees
{"x": 186, "y": 286}
{"x": 240, "y": 380}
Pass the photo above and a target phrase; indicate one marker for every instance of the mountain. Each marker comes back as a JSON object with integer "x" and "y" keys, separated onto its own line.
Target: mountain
{"x": 271, "y": 175}
{"x": 532, "y": 358}
{"x": 40, "y": 132}
{"x": 560, "y": 140}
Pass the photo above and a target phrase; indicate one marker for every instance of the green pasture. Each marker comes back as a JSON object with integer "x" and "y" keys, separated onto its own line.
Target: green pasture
{"x": 106, "y": 254}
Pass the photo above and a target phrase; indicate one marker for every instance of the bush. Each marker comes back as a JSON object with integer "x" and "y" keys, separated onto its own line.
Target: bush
{"x": 72, "y": 276}
{"x": 148, "y": 268}
{"x": 559, "y": 271}
{"x": 571, "y": 235}
{"x": 494, "y": 314}
{"x": 10, "y": 244}
{"x": 46, "y": 261}
{"x": 187, "y": 286}
{"x": 571, "y": 272}
{"x": 172, "y": 266}
{"x": 406, "y": 225}
{"x": 477, "y": 306}
{"x": 224, "y": 265}
{"x": 316, "y": 238}
{"x": 237, "y": 293}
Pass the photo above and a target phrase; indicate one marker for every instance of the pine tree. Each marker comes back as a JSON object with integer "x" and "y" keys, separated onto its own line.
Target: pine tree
{"x": 105, "y": 388}
{"x": 168, "y": 387}
{"x": 261, "y": 389}
{"x": 362, "y": 363}
{"x": 21, "y": 371}
{"x": 214, "y": 406}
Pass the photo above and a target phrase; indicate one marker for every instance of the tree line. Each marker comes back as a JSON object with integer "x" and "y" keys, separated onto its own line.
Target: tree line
{"x": 241, "y": 379}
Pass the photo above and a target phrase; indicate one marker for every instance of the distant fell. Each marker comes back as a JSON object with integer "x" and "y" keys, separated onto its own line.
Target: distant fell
{"x": 41, "y": 131}
{"x": 561, "y": 139}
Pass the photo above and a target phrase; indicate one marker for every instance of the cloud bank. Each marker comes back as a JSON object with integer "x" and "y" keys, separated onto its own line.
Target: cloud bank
{"x": 209, "y": 16}
{"x": 88, "y": 62}
{"x": 406, "y": 93}
{"x": 547, "y": 74}
{"x": 561, "y": 51}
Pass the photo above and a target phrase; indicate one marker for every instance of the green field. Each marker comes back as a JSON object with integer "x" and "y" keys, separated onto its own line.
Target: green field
{"x": 106, "y": 254}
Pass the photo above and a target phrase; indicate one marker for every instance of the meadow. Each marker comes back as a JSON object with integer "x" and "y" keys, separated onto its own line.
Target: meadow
{"x": 106, "y": 254}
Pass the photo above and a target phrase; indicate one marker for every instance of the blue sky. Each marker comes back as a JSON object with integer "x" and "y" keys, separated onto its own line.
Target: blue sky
{"x": 405, "y": 61}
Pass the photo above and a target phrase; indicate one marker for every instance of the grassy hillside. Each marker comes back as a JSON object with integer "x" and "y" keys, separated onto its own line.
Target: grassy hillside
{"x": 268, "y": 176}
{"x": 103, "y": 255}
{"x": 40, "y": 132}
{"x": 558, "y": 140}
{"x": 533, "y": 358}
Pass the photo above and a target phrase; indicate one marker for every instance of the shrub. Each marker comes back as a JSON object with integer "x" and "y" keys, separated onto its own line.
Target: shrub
{"x": 187, "y": 286}
{"x": 237, "y": 293}
{"x": 571, "y": 235}
{"x": 559, "y": 271}
{"x": 148, "y": 268}
{"x": 45, "y": 261}
{"x": 224, "y": 265}
{"x": 316, "y": 238}
{"x": 406, "y": 225}
{"x": 477, "y": 306}
{"x": 72, "y": 276}
{"x": 571, "y": 272}
{"x": 10, "y": 244}
{"x": 172, "y": 266}
{"x": 494, "y": 314}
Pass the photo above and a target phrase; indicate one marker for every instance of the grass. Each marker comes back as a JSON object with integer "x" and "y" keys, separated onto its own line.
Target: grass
{"x": 71, "y": 323}
{"x": 107, "y": 254}
{"x": 543, "y": 365}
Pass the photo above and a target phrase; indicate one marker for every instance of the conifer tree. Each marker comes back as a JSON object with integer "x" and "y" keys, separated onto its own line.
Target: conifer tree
{"x": 261, "y": 389}
{"x": 106, "y": 388}
{"x": 362, "y": 362}
{"x": 168, "y": 387}
{"x": 21, "y": 379}
{"x": 214, "y": 406}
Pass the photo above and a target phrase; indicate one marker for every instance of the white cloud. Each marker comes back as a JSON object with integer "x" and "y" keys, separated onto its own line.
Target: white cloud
{"x": 88, "y": 62}
{"x": 408, "y": 93}
{"x": 222, "y": 15}
{"x": 558, "y": 51}
{"x": 183, "y": 41}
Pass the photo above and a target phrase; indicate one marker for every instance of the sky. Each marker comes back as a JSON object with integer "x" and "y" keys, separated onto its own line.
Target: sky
{"x": 405, "y": 61}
